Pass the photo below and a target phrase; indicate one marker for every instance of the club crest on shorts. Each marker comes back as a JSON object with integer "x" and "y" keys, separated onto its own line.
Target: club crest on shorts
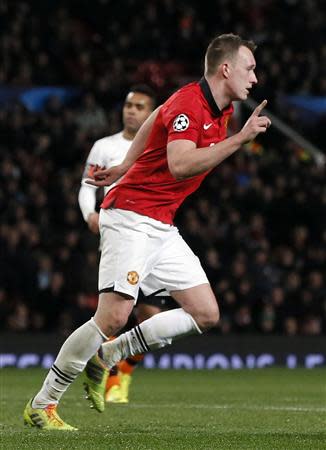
{"x": 181, "y": 123}
{"x": 132, "y": 277}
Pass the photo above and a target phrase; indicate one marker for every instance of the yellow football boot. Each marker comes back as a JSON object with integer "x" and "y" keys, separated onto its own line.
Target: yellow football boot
{"x": 46, "y": 419}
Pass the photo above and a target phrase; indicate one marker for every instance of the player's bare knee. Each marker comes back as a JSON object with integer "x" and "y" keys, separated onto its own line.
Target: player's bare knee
{"x": 118, "y": 319}
{"x": 111, "y": 323}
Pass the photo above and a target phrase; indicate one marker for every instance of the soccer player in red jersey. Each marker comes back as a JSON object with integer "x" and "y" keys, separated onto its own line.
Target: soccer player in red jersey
{"x": 108, "y": 151}
{"x": 178, "y": 145}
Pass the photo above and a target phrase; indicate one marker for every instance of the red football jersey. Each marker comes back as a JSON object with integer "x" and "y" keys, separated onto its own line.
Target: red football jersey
{"x": 148, "y": 188}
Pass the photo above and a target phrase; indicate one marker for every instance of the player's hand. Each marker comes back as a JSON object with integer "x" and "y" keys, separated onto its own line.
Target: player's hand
{"x": 105, "y": 177}
{"x": 92, "y": 221}
{"x": 256, "y": 124}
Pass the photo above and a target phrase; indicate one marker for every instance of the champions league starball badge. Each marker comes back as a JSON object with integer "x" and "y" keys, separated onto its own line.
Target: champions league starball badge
{"x": 181, "y": 123}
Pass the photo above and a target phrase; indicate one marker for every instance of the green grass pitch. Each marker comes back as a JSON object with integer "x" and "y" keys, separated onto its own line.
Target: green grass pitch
{"x": 258, "y": 409}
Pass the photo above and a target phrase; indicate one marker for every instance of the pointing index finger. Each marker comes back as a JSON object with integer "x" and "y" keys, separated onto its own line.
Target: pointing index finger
{"x": 259, "y": 108}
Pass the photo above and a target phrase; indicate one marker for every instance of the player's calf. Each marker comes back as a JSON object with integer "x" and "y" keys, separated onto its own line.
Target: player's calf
{"x": 209, "y": 318}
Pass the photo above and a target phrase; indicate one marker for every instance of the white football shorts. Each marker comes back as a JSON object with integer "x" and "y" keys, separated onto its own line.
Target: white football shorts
{"x": 138, "y": 251}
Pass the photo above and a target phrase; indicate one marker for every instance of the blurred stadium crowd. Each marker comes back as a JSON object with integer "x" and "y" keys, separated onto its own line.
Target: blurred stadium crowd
{"x": 258, "y": 223}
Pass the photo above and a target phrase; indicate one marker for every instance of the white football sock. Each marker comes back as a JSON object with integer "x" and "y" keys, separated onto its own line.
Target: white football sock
{"x": 80, "y": 346}
{"x": 156, "y": 332}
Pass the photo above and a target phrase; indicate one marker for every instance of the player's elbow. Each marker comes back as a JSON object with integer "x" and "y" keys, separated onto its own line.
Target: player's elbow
{"x": 177, "y": 170}
{"x": 180, "y": 158}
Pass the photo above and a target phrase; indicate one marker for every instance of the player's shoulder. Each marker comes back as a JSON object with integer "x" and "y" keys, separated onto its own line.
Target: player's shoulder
{"x": 190, "y": 90}
{"x": 193, "y": 87}
{"x": 189, "y": 95}
{"x": 107, "y": 140}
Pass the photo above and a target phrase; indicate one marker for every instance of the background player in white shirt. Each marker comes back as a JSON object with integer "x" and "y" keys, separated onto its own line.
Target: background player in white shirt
{"x": 107, "y": 152}
{"x": 111, "y": 150}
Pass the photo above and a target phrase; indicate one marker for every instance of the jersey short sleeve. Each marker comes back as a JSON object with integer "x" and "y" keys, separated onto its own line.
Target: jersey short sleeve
{"x": 182, "y": 117}
{"x": 94, "y": 158}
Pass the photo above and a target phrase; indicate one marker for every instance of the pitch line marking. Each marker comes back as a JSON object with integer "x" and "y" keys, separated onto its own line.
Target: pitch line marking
{"x": 241, "y": 407}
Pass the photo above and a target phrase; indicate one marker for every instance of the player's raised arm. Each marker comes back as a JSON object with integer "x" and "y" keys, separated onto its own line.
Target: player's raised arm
{"x": 186, "y": 161}
{"x": 108, "y": 176}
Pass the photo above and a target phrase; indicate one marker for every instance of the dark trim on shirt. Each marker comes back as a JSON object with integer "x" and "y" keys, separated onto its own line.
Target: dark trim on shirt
{"x": 209, "y": 97}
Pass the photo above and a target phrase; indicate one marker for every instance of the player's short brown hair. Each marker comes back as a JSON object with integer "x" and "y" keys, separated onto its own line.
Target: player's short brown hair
{"x": 222, "y": 46}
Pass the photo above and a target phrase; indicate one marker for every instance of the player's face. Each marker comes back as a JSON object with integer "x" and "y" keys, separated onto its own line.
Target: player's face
{"x": 136, "y": 109}
{"x": 242, "y": 74}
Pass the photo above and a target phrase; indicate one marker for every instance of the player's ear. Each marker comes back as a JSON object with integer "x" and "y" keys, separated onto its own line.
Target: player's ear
{"x": 225, "y": 70}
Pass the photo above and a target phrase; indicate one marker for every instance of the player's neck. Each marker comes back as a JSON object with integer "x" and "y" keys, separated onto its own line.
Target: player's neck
{"x": 220, "y": 96}
{"x": 129, "y": 135}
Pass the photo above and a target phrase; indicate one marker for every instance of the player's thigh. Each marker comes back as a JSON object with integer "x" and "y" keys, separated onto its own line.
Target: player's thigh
{"x": 113, "y": 311}
{"x": 200, "y": 302}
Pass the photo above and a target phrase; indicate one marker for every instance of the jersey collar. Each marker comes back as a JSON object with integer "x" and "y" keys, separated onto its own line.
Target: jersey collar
{"x": 209, "y": 97}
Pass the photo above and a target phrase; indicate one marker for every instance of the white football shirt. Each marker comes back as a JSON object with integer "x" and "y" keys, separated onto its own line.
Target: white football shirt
{"x": 106, "y": 152}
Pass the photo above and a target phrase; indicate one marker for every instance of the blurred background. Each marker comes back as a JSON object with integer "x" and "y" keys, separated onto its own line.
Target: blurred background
{"x": 257, "y": 223}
